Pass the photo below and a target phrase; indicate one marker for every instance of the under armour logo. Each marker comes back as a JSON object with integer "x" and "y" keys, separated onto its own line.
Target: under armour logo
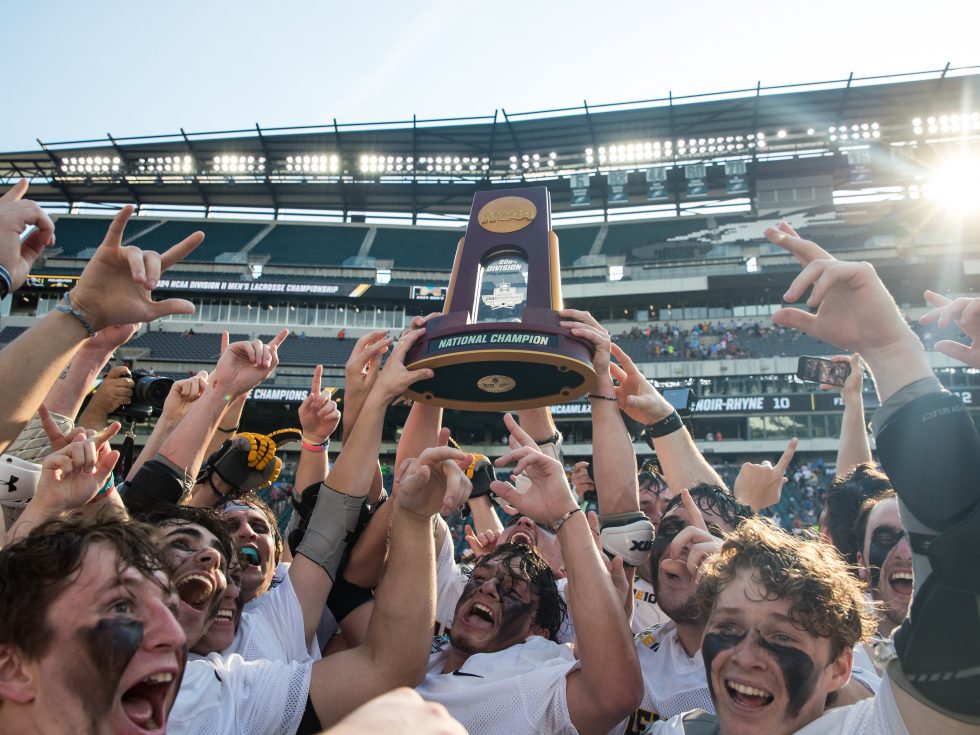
{"x": 641, "y": 545}
{"x": 11, "y": 483}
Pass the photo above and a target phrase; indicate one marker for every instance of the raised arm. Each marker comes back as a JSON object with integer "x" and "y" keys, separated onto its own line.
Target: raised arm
{"x": 395, "y": 651}
{"x": 242, "y": 366}
{"x": 930, "y": 449}
{"x": 854, "y": 447}
{"x": 318, "y": 417}
{"x": 338, "y": 504}
{"x": 70, "y": 477}
{"x": 682, "y": 463}
{"x": 608, "y": 686}
{"x": 114, "y": 288}
{"x": 613, "y": 458}
{"x": 69, "y": 391}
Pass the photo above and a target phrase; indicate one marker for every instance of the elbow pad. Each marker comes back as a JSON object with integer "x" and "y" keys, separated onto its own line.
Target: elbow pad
{"x": 628, "y": 535}
{"x": 18, "y": 480}
{"x": 156, "y": 483}
{"x": 331, "y": 528}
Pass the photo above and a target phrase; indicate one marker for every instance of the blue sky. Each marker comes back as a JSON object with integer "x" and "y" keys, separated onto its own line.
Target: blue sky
{"x": 81, "y": 69}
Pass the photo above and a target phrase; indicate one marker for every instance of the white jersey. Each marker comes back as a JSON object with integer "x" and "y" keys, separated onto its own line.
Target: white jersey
{"x": 272, "y": 625}
{"x": 521, "y": 689}
{"x": 646, "y": 612}
{"x": 673, "y": 682}
{"x": 876, "y": 715}
{"x": 450, "y": 581}
{"x": 227, "y": 695}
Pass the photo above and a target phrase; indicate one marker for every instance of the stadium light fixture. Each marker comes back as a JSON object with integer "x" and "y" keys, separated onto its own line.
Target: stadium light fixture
{"x": 849, "y": 132}
{"x": 317, "y": 163}
{"x": 87, "y": 165}
{"x": 239, "y": 164}
{"x": 957, "y": 123}
{"x": 165, "y": 164}
{"x": 615, "y": 273}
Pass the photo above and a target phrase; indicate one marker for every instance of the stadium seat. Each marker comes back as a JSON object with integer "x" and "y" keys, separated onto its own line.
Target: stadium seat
{"x": 316, "y": 245}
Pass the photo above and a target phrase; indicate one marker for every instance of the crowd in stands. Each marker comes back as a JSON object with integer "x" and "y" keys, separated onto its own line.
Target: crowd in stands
{"x": 155, "y": 593}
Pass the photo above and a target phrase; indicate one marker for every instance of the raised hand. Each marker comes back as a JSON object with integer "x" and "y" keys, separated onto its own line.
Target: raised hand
{"x": 318, "y": 415}
{"x": 434, "y": 482}
{"x": 853, "y": 308}
{"x": 637, "y": 397}
{"x": 364, "y": 363}
{"x": 583, "y": 324}
{"x": 72, "y": 476}
{"x": 395, "y": 378}
{"x": 182, "y": 395}
{"x": 109, "y": 338}
{"x": 116, "y": 284}
{"x": 760, "y": 485}
{"x": 549, "y": 496}
{"x": 244, "y": 365}
{"x": 481, "y": 543}
{"x": 59, "y": 439}
{"x": 16, "y": 215}
{"x": 964, "y": 313}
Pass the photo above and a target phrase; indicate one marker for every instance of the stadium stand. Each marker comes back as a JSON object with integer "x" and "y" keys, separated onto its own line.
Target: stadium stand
{"x": 298, "y": 350}
{"x": 219, "y": 237}
{"x": 76, "y": 234}
{"x": 182, "y": 346}
{"x": 317, "y": 245}
{"x": 429, "y": 249}
{"x": 574, "y": 242}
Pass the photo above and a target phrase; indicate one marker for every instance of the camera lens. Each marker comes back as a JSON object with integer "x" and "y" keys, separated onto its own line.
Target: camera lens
{"x": 152, "y": 390}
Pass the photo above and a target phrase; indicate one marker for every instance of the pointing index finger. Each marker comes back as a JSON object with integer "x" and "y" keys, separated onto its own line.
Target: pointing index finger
{"x": 787, "y": 457}
{"x": 317, "y": 375}
{"x": 693, "y": 511}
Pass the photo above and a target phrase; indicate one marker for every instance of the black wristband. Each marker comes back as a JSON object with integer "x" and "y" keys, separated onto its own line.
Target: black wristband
{"x": 553, "y": 439}
{"x": 665, "y": 426}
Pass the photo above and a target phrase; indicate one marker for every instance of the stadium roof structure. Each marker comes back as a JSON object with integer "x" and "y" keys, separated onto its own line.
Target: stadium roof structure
{"x": 429, "y": 169}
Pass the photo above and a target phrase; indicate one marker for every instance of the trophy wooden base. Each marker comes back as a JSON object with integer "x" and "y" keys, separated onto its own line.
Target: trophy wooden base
{"x": 500, "y": 366}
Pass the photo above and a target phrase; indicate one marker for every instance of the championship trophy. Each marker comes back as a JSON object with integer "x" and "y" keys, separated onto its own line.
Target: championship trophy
{"x": 497, "y": 344}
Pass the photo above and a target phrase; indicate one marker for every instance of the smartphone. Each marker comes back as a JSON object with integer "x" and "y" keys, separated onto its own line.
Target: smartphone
{"x": 822, "y": 370}
{"x": 680, "y": 398}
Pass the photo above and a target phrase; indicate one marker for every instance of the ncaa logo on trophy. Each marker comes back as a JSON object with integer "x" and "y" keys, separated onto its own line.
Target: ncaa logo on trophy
{"x": 497, "y": 344}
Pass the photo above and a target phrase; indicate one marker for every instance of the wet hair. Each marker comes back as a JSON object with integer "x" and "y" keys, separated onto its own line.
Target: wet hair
{"x": 715, "y": 499}
{"x": 650, "y": 477}
{"x": 182, "y": 515}
{"x": 533, "y": 569}
{"x": 826, "y": 600}
{"x": 864, "y": 515}
{"x": 260, "y": 505}
{"x": 36, "y": 570}
{"x": 843, "y": 503}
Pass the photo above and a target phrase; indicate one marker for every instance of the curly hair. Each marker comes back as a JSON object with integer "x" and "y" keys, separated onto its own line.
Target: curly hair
{"x": 825, "y": 598}
{"x": 533, "y": 569}
{"x": 36, "y": 570}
